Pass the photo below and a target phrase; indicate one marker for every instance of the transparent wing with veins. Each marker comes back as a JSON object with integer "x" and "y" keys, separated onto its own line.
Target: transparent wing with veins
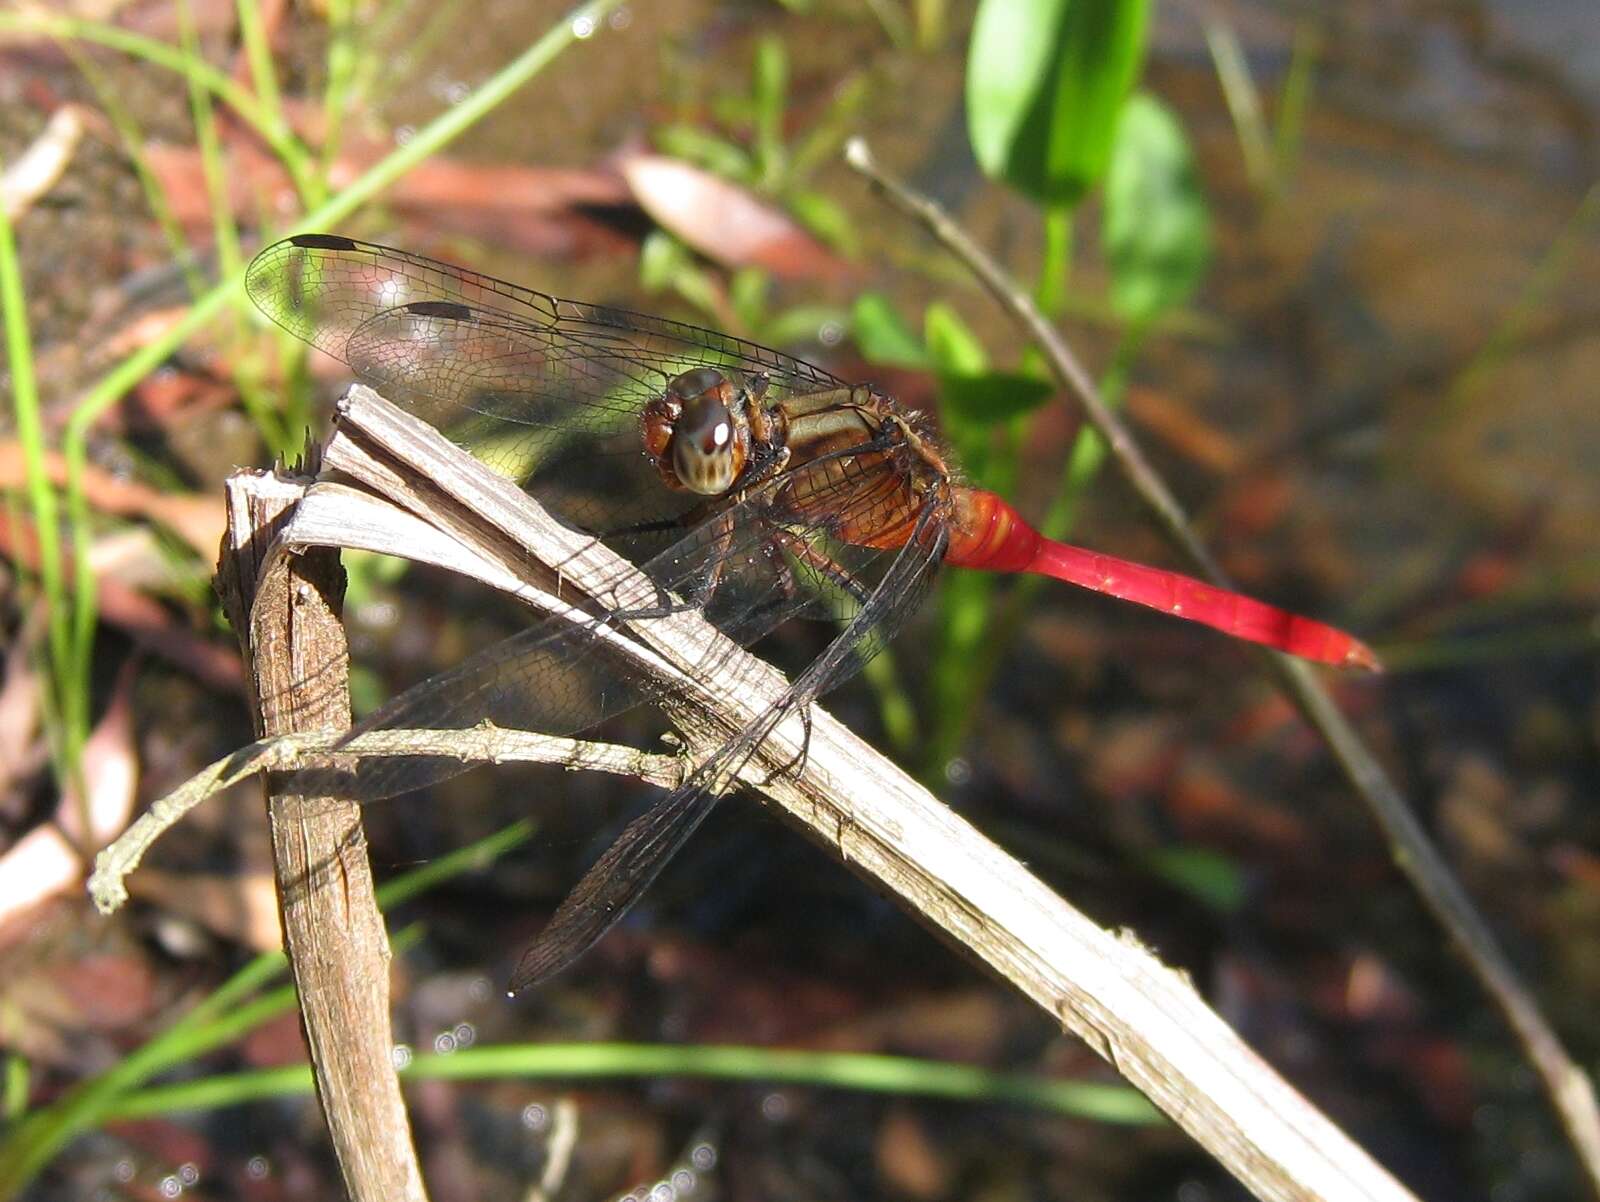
{"x": 631, "y": 864}
{"x": 546, "y": 390}
{"x": 561, "y": 677}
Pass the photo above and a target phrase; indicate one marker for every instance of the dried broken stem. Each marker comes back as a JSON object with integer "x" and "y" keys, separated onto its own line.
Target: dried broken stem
{"x": 286, "y": 610}
{"x": 484, "y": 743}
{"x": 1570, "y": 1090}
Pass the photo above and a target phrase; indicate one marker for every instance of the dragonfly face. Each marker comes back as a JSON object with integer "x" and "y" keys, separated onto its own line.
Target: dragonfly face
{"x": 698, "y": 432}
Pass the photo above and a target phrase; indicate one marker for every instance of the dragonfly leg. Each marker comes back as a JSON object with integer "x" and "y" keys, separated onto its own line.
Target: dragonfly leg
{"x": 684, "y": 521}
{"x": 706, "y": 587}
{"x": 924, "y": 449}
{"x": 827, "y": 568}
{"x": 840, "y": 578}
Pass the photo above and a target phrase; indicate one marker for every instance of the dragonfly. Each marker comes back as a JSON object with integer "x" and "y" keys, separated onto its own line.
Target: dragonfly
{"x": 745, "y": 484}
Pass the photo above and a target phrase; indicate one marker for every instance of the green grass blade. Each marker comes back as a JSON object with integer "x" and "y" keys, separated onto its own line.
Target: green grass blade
{"x": 131, "y": 136}
{"x": 253, "y": 33}
{"x": 68, "y": 705}
{"x": 342, "y": 63}
{"x": 14, "y": 1097}
{"x": 896, "y": 1075}
{"x": 473, "y": 857}
{"x": 226, "y": 1015}
{"x": 1293, "y": 101}
{"x": 1243, "y": 100}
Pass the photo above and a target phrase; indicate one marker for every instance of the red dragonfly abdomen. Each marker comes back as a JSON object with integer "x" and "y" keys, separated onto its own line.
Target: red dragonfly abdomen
{"x": 987, "y": 533}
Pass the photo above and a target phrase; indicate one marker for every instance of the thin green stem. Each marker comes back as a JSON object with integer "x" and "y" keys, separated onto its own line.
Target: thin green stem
{"x": 14, "y": 1094}
{"x": 1293, "y": 101}
{"x": 132, "y": 139}
{"x": 227, "y": 1014}
{"x": 253, "y": 33}
{"x": 212, "y": 168}
{"x": 1083, "y": 463}
{"x": 1056, "y": 269}
{"x": 1467, "y": 387}
{"x": 224, "y": 229}
{"x": 1244, "y": 102}
{"x": 69, "y": 704}
{"x": 341, "y": 76}
{"x": 895, "y": 710}
{"x": 897, "y": 1075}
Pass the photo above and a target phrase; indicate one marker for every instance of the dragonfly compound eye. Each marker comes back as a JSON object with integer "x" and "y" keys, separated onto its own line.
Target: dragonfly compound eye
{"x": 707, "y": 453}
{"x": 692, "y": 383}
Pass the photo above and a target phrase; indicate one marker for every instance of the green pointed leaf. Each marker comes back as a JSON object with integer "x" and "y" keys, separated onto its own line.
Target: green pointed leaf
{"x": 1211, "y": 878}
{"x": 951, "y": 343}
{"x": 1045, "y": 81}
{"x": 882, "y": 334}
{"x": 825, "y": 218}
{"x": 991, "y": 397}
{"x": 716, "y": 155}
{"x": 747, "y": 293}
{"x": 770, "y": 87}
{"x": 661, "y": 257}
{"x": 1157, "y": 229}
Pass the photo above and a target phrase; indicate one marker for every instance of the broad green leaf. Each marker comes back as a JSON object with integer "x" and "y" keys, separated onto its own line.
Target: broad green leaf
{"x": 991, "y": 397}
{"x": 1157, "y": 230}
{"x": 954, "y": 348}
{"x": 883, "y": 336}
{"x": 1045, "y": 81}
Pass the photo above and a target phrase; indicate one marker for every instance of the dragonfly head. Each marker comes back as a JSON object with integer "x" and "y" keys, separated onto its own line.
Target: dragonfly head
{"x": 697, "y": 432}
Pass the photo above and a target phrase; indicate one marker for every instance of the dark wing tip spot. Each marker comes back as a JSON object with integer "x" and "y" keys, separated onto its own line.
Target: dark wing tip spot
{"x": 322, "y": 242}
{"x": 449, "y": 310}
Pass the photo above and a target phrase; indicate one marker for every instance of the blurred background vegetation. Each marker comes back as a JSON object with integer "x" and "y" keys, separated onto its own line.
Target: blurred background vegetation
{"x": 1338, "y": 264}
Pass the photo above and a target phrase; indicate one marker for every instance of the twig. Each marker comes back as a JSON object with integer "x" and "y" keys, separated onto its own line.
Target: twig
{"x": 286, "y": 611}
{"x": 1141, "y": 1016}
{"x": 484, "y": 743}
{"x": 1570, "y": 1090}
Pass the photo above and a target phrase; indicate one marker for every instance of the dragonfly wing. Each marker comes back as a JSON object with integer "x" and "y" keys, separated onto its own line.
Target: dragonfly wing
{"x": 322, "y": 288}
{"x": 563, "y": 675}
{"x": 548, "y": 391}
{"x": 555, "y": 677}
{"x": 622, "y": 874}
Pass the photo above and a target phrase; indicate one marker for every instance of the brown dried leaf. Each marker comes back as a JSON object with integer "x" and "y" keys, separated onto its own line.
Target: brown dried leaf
{"x": 725, "y": 222}
{"x": 242, "y": 907}
{"x": 196, "y": 518}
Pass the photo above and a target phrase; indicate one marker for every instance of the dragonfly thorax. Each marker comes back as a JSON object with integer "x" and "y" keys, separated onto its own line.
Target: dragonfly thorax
{"x": 698, "y": 432}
